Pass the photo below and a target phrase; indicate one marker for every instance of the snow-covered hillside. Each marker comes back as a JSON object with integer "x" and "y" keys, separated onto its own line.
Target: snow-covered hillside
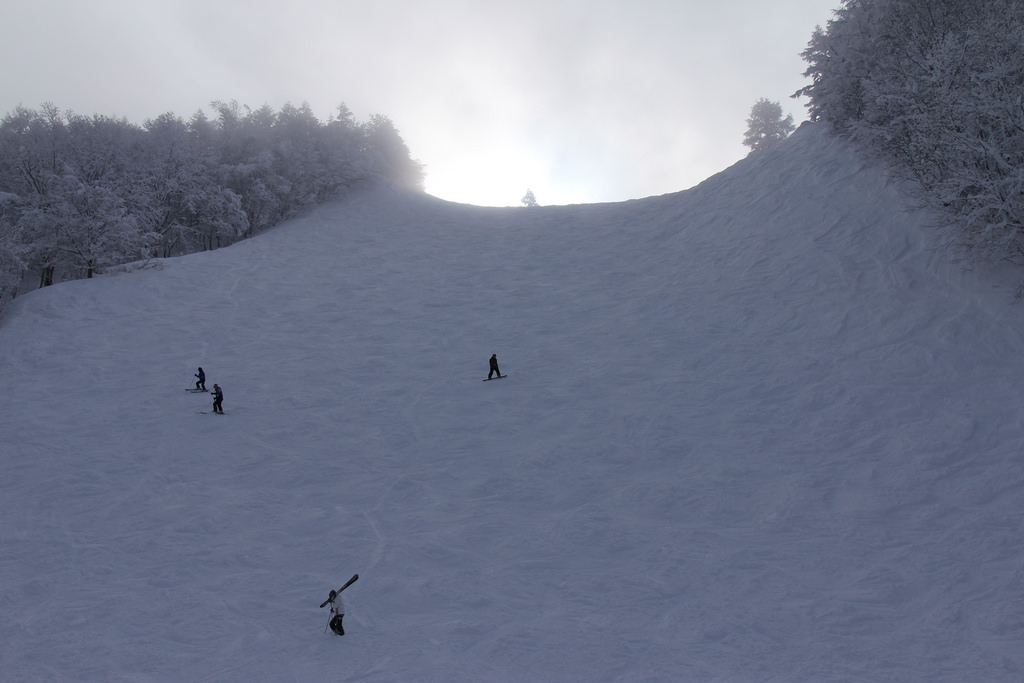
{"x": 755, "y": 431}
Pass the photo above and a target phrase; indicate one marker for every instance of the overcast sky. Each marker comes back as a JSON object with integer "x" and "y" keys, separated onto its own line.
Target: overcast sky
{"x": 579, "y": 100}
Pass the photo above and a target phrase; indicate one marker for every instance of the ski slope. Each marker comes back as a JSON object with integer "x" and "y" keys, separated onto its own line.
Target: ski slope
{"x": 760, "y": 430}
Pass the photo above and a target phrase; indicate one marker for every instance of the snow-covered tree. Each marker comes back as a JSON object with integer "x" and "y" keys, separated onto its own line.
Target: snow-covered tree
{"x": 766, "y": 125}
{"x": 11, "y": 249}
{"x": 529, "y": 200}
{"x": 84, "y": 228}
{"x": 388, "y": 155}
{"x": 90, "y": 192}
{"x": 935, "y": 86}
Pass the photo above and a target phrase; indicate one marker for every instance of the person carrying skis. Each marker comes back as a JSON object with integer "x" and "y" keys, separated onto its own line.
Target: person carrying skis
{"x": 337, "y": 607}
{"x": 218, "y": 399}
{"x": 201, "y": 382}
{"x": 494, "y": 366}
{"x": 337, "y": 613}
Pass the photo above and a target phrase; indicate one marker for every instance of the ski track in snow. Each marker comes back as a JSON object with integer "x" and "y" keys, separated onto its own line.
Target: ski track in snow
{"x": 761, "y": 430}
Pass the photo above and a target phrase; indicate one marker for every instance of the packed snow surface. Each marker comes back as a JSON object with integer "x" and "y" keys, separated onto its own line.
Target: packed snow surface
{"x": 761, "y": 430}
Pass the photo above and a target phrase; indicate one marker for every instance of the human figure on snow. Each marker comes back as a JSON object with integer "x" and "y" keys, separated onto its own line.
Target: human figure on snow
{"x": 218, "y": 399}
{"x": 201, "y": 382}
{"x": 494, "y": 367}
{"x": 337, "y": 613}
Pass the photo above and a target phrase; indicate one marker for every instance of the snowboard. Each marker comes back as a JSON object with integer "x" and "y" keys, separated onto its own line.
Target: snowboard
{"x": 207, "y": 412}
{"x": 192, "y": 390}
{"x": 498, "y": 377}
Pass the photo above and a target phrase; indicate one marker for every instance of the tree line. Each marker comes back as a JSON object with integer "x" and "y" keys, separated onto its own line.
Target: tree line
{"x": 935, "y": 86}
{"x": 81, "y": 194}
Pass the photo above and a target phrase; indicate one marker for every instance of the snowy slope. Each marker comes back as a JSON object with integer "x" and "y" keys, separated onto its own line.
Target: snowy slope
{"x": 755, "y": 431}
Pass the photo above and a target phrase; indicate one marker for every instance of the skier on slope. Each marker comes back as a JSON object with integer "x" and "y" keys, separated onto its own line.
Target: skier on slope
{"x": 218, "y": 399}
{"x": 337, "y": 607}
{"x": 201, "y": 381}
{"x": 337, "y": 613}
{"x": 494, "y": 366}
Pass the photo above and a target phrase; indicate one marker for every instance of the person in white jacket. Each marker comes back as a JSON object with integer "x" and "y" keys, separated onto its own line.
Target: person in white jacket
{"x": 337, "y": 613}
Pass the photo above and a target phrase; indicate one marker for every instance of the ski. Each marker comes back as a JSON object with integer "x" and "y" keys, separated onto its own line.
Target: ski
{"x": 355, "y": 577}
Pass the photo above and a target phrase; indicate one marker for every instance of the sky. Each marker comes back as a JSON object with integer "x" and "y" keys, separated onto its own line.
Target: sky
{"x": 581, "y": 102}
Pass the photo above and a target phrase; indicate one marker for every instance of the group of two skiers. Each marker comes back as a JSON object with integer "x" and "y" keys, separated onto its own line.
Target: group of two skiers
{"x": 218, "y": 394}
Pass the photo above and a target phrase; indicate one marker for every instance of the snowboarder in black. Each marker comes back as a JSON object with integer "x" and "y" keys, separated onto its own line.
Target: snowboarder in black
{"x": 201, "y": 381}
{"x": 218, "y": 399}
{"x": 494, "y": 367}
